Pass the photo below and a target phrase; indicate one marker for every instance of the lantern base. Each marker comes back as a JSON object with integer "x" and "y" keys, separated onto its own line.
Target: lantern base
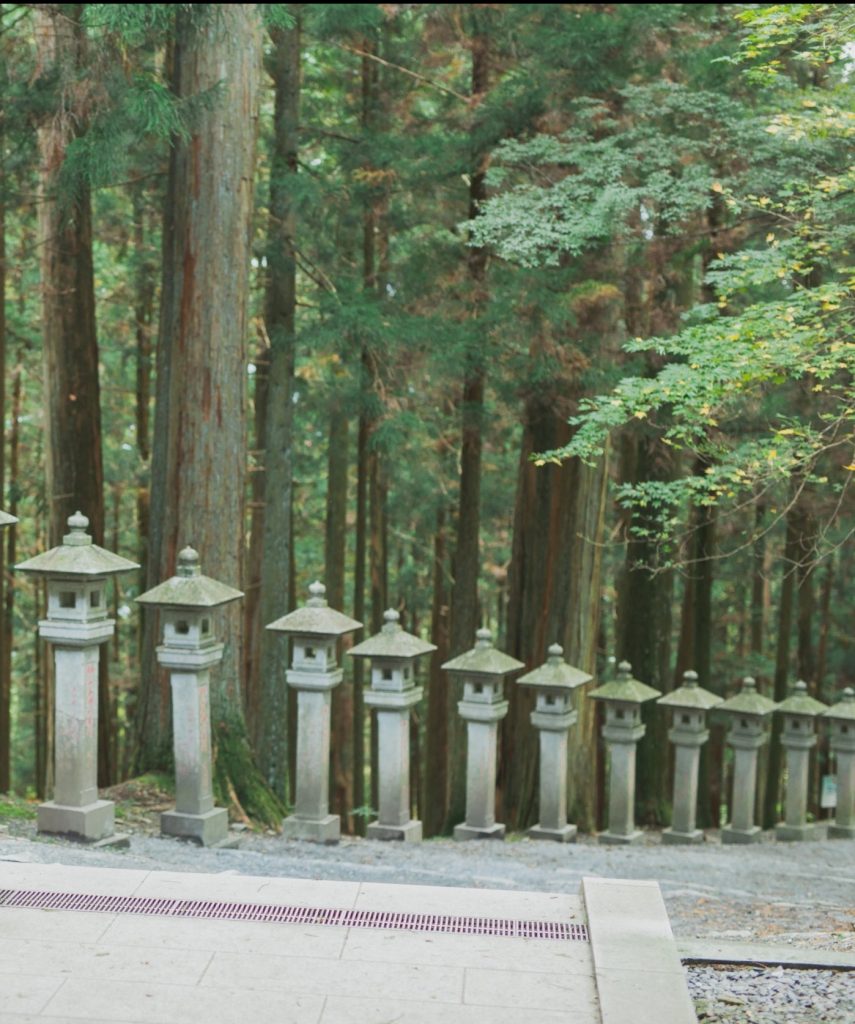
{"x": 89, "y": 823}
{"x": 836, "y": 831}
{"x": 320, "y": 830}
{"x": 742, "y": 836}
{"x": 409, "y": 833}
{"x": 798, "y": 833}
{"x": 671, "y": 837}
{"x": 557, "y": 835}
{"x": 208, "y": 829}
{"x": 464, "y": 832}
{"x": 617, "y": 839}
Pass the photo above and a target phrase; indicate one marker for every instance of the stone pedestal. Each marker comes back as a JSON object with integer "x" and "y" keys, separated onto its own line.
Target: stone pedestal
{"x": 482, "y": 723}
{"x": 795, "y": 826}
{"x": 687, "y": 758}
{"x": 393, "y": 762}
{"x": 75, "y": 809}
{"x": 742, "y": 828}
{"x": 195, "y": 817}
{"x": 621, "y": 829}
{"x": 552, "y": 806}
{"x": 311, "y": 818}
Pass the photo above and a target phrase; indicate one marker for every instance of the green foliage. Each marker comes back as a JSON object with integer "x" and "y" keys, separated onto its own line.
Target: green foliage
{"x": 782, "y": 315}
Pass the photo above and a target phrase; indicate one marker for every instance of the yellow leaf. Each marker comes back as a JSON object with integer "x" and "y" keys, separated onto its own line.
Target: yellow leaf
{"x": 717, "y": 186}
{"x": 850, "y": 467}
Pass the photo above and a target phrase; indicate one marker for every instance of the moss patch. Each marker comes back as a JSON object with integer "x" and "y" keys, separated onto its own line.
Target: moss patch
{"x": 14, "y": 808}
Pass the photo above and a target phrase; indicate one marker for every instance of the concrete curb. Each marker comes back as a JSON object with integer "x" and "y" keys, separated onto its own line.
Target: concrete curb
{"x": 637, "y": 968}
{"x": 704, "y": 951}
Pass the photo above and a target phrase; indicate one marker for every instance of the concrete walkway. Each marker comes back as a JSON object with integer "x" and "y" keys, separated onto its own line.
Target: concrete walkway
{"x": 61, "y": 965}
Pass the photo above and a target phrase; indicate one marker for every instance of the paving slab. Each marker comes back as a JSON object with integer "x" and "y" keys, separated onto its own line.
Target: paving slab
{"x": 431, "y": 899}
{"x": 106, "y": 968}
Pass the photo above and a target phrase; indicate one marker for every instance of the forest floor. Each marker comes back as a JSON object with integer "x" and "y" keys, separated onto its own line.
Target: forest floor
{"x": 796, "y": 895}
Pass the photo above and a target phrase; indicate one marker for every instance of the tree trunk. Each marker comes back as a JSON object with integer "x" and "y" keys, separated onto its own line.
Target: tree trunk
{"x": 772, "y": 795}
{"x": 281, "y": 301}
{"x": 335, "y": 551}
{"x": 5, "y": 678}
{"x": 465, "y": 614}
{"x": 435, "y": 798}
{"x": 695, "y": 650}
{"x": 199, "y": 449}
{"x": 73, "y": 466}
{"x": 643, "y": 627}
{"x": 253, "y": 624}
{"x": 11, "y": 539}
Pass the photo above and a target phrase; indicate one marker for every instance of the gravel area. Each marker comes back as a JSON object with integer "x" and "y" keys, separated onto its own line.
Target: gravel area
{"x": 777, "y": 996}
{"x": 797, "y": 894}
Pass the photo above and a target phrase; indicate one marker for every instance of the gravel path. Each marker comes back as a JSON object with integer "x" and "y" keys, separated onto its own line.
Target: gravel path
{"x": 799, "y": 894}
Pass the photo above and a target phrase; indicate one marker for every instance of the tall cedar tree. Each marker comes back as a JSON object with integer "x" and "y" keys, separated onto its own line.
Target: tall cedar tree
{"x": 74, "y": 476}
{"x": 199, "y": 448}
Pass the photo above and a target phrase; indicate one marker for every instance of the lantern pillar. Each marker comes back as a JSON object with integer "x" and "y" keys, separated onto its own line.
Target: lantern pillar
{"x": 841, "y": 722}
{"x": 314, "y": 674}
{"x": 689, "y": 705}
{"x": 76, "y": 573}
{"x": 747, "y": 712}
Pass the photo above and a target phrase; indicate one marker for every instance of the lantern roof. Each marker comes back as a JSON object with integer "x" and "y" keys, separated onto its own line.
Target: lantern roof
{"x": 690, "y": 695}
{"x": 844, "y": 709}
{"x": 315, "y": 618}
{"x": 625, "y": 689}
{"x": 188, "y": 588}
{"x": 77, "y": 555}
{"x": 801, "y": 703}
{"x": 392, "y": 641}
{"x": 6, "y": 518}
{"x": 484, "y": 659}
{"x": 748, "y": 701}
{"x": 555, "y": 673}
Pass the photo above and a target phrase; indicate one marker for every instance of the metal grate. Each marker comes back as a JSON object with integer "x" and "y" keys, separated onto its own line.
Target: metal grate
{"x": 273, "y": 913}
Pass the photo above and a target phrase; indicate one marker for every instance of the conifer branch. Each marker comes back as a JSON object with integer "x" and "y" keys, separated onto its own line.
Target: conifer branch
{"x": 405, "y": 71}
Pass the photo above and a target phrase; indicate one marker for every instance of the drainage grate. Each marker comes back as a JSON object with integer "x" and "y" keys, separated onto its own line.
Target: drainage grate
{"x": 211, "y": 910}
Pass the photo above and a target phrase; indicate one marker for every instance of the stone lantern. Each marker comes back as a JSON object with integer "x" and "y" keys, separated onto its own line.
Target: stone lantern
{"x": 190, "y": 650}
{"x": 393, "y": 692}
{"x": 316, "y": 628}
{"x": 841, "y": 720}
{"x": 553, "y": 684}
{"x": 747, "y": 712}
{"x": 689, "y": 705}
{"x": 76, "y": 573}
{"x": 482, "y": 670}
{"x": 798, "y": 739}
{"x": 6, "y": 519}
{"x": 623, "y": 698}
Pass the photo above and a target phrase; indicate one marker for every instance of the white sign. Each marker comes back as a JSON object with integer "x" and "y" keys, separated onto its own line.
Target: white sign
{"x": 828, "y": 795}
